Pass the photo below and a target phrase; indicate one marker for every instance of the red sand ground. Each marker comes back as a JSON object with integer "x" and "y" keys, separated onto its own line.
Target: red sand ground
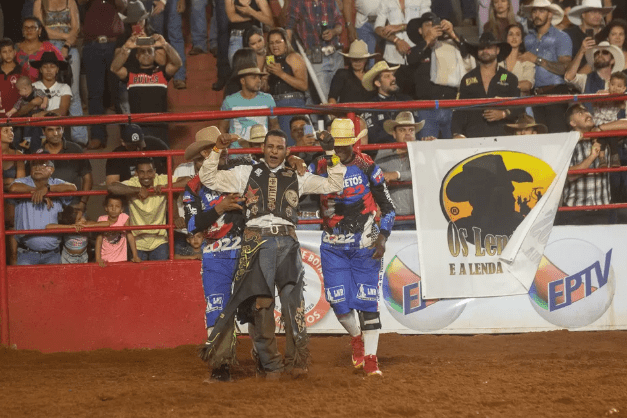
{"x": 554, "y": 374}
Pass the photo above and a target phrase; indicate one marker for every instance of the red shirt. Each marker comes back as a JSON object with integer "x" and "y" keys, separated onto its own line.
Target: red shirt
{"x": 8, "y": 93}
{"x": 24, "y": 59}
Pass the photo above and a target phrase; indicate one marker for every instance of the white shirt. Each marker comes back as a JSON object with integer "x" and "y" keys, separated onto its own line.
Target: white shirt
{"x": 390, "y": 13}
{"x": 54, "y": 93}
{"x": 236, "y": 179}
{"x": 364, "y": 9}
{"x": 183, "y": 170}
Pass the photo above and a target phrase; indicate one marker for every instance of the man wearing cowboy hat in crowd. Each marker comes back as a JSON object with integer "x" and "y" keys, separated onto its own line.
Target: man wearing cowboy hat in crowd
{"x": 396, "y": 167}
{"x": 249, "y": 97}
{"x": 353, "y": 245}
{"x": 437, "y": 40}
{"x": 587, "y": 16}
{"x": 147, "y": 83}
{"x": 550, "y": 50}
{"x": 526, "y": 125}
{"x": 272, "y": 255}
{"x": 605, "y": 60}
{"x": 380, "y": 80}
{"x": 487, "y": 80}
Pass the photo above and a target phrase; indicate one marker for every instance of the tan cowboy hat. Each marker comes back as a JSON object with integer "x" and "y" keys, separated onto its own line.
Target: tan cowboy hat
{"x": 525, "y": 121}
{"x": 250, "y": 71}
{"x": 258, "y": 134}
{"x": 205, "y": 138}
{"x": 358, "y": 50}
{"x": 558, "y": 13}
{"x": 378, "y": 68}
{"x": 574, "y": 15}
{"x": 402, "y": 119}
{"x": 343, "y": 131}
{"x": 619, "y": 57}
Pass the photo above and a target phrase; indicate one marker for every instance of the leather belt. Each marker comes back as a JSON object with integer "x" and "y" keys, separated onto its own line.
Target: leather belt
{"x": 276, "y": 230}
{"x": 292, "y": 95}
{"x": 544, "y": 89}
{"x": 24, "y": 247}
{"x": 305, "y": 214}
{"x": 102, "y": 40}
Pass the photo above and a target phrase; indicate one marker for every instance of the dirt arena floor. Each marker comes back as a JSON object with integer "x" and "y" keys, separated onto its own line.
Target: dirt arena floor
{"x": 552, "y": 374}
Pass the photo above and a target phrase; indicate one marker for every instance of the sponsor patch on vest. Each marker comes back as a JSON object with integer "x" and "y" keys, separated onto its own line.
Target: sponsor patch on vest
{"x": 292, "y": 197}
{"x": 471, "y": 80}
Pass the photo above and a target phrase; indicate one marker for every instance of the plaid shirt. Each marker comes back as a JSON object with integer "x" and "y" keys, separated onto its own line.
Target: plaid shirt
{"x": 308, "y": 16}
{"x": 589, "y": 189}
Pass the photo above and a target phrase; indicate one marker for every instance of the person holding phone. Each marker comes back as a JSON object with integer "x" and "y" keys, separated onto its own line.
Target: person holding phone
{"x": 587, "y": 20}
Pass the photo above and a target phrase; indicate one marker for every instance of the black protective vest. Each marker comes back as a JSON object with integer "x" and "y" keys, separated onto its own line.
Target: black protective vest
{"x": 272, "y": 193}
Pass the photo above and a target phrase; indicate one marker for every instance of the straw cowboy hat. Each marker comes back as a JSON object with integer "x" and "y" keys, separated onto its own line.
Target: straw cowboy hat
{"x": 574, "y": 15}
{"x": 135, "y": 11}
{"x": 378, "y": 68}
{"x": 250, "y": 71}
{"x": 205, "y": 138}
{"x": 488, "y": 39}
{"x": 358, "y": 50}
{"x": 258, "y": 134}
{"x": 558, "y": 13}
{"x": 402, "y": 119}
{"x": 525, "y": 121}
{"x": 343, "y": 131}
{"x": 49, "y": 57}
{"x": 619, "y": 57}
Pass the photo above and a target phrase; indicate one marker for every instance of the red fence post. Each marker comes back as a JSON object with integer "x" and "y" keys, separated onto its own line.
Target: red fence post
{"x": 4, "y": 280}
{"x": 170, "y": 209}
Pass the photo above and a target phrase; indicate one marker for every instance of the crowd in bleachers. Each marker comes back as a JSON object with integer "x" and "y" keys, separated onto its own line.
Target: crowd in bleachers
{"x": 295, "y": 53}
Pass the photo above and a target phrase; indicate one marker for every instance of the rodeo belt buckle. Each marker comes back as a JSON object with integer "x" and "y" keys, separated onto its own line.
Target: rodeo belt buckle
{"x": 274, "y": 229}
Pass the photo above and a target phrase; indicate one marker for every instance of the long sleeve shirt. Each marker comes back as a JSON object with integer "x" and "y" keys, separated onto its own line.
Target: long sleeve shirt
{"x": 236, "y": 179}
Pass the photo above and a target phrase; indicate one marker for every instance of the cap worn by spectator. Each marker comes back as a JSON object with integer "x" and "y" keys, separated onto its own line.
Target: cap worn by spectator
{"x": 133, "y": 134}
{"x": 38, "y": 161}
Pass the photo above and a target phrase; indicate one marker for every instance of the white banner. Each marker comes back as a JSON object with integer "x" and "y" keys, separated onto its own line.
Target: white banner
{"x": 474, "y": 197}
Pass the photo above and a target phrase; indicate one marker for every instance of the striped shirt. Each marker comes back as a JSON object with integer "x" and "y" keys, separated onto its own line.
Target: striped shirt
{"x": 589, "y": 189}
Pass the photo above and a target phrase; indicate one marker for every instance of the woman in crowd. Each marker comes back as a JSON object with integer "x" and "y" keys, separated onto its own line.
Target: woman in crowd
{"x": 288, "y": 76}
{"x": 34, "y": 44}
{"x": 59, "y": 94}
{"x": 253, "y": 38}
{"x": 524, "y": 70}
{"x": 501, "y": 15}
{"x": 242, "y": 15}
{"x": 346, "y": 84}
{"x": 614, "y": 33}
{"x": 61, "y": 20}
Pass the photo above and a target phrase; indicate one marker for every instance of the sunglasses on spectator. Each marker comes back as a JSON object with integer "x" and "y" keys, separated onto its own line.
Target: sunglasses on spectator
{"x": 603, "y": 52}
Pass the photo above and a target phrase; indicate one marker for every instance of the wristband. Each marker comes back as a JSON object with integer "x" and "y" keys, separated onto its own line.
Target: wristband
{"x": 396, "y": 38}
{"x": 216, "y": 149}
{"x": 349, "y": 24}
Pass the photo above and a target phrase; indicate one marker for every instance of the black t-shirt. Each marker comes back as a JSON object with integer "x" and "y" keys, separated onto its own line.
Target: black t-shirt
{"x": 576, "y": 36}
{"x": 125, "y": 167}
{"x": 147, "y": 89}
{"x": 347, "y": 88}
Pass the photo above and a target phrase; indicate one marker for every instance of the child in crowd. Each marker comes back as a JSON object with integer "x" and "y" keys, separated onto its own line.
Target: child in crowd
{"x": 111, "y": 246}
{"x": 605, "y": 112}
{"x": 75, "y": 245}
{"x": 30, "y": 98}
{"x": 194, "y": 250}
{"x": 11, "y": 71}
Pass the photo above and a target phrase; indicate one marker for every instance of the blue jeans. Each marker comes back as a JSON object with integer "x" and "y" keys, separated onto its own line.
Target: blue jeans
{"x": 97, "y": 60}
{"x": 284, "y": 121}
{"x": 79, "y": 133}
{"x": 156, "y": 21}
{"x": 30, "y": 258}
{"x": 235, "y": 42}
{"x": 222, "y": 22}
{"x": 437, "y": 123}
{"x": 213, "y": 31}
{"x": 366, "y": 34}
{"x": 327, "y": 69}
{"x": 162, "y": 252}
{"x": 198, "y": 23}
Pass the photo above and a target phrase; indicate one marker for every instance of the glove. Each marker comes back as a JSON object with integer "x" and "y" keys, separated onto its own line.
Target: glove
{"x": 327, "y": 142}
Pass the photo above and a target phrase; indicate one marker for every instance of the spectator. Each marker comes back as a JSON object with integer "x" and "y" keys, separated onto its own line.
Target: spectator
{"x": 76, "y": 172}
{"x": 147, "y": 208}
{"x": 59, "y": 94}
{"x": 288, "y": 76}
{"x": 585, "y": 17}
{"x": 346, "y": 84}
{"x": 61, "y": 20}
{"x": 441, "y": 81}
{"x": 501, "y": 16}
{"x": 11, "y": 71}
{"x": 584, "y": 189}
{"x": 365, "y": 12}
{"x": 37, "y": 212}
{"x": 198, "y": 26}
{"x": 396, "y": 167}
{"x": 526, "y": 125}
{"x": 249, "y": 97}
{"x": 502, "y": 83}
{"x": 381, "y": 80}
{"x": 147, "y": 83}
{"x": 524, "y": 70}
{"x": 101, "y": 28}
{"x": 111, "y": 246}
{"x": 483, "y": 15}
{"x": 391, "y": 25}
{"x": 309, "y": 205}
{"x": 257, "y": 136}
{"x": 550, "y": 50}
{"x": 34, "y": 44}
{"x": 133, "y": 139}
{"x": 10, "y": 169}
{"x": 319, "y": 25}
{"x": 194, "y": 249}
{"x": 244, "y": 14}
{"x": 31, "y": 99}
{"x": 614, "y": 33}
{"x": 253, "y": 38}
{"x": 244, "y": 58}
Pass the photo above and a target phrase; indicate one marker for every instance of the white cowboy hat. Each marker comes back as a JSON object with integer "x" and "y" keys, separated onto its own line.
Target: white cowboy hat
{"x": 558, "y": 13}
{"x": 402, "y": 119}
{"x": 258, "y": 134}
{"x": 619, "y": 57}
{"x": 574, "y": 15}
{"x": 378, "y": 68}
{"x": 343, "y": 131}
{"x": 358, "y": 50}
{"x": 205, "y": 138}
